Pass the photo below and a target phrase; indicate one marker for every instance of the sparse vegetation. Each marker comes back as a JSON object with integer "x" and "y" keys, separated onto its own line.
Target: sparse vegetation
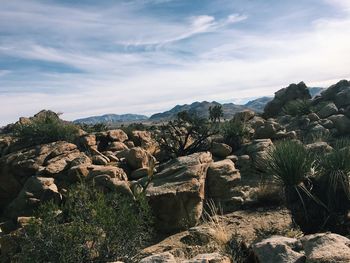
{"x": 216, "y": 113}
{"x": 185, "y": 135}
{"x": 235, "y": 132}
{"x": 89, "y": 227}
{"x": 297, "y": 108}
{"x": 45, "y": 129}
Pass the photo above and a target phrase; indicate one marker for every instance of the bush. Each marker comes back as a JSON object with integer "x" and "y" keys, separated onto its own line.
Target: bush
{"x": 335, "y": 177}
{"x": 235, "y": 132}
{"x": 185, "y": 135}
{"x": 45, "y": 129}
{"x": 297, "y": 108}
{"x": 89, "y": 227}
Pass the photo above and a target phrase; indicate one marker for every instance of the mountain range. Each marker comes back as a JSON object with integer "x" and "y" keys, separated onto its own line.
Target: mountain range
{"x": 199, "y": 108}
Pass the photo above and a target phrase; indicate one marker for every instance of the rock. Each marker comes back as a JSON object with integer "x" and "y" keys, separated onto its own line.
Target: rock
{"x": 164, "y": 257}
{"x": 112, "y": 171}
{"x": 220, "y": 150}
{"x": 35, "y": 190}
{"x": 138, "y": 158}
{"x": 100, "y": 160}
{"x": 144, "y": 140}
{"x": 209, "y": 258}
{"x": 342, "y": 99}
{"x": 326, "y": 247}
{"x": 50, "y": 160}
{"x": 244, "y": 115}
{"x": 313, "y": 117}
{"x": 328, "y": 124}
{"x": 116, "y": 146}
{"x": 278, "y": 249}
{"x": 88, "y": 141}
{"x": 268, "y": 130}
{"x": 139, "y": 173}
{"x": 330, "y": 93}
{"x": 222, "y": 177}
{"x": 82, "y": 159}
{"x": 108, "y": 184}
{"x": 117, "y": 135}
{"x": 285, "y": 95}
{"x": 319, "y": 147}
{"x": 176, "y": 193}
{"x": 129, "y": 144}
{"x": 328, "y": 110}
{"x": 258, "y": 149}
{"x": 341, "y": 123}
{"x": 110, "y": 155}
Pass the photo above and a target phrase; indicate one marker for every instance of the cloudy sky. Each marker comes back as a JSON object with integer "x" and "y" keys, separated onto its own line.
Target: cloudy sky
{"x": 91, "y": 57}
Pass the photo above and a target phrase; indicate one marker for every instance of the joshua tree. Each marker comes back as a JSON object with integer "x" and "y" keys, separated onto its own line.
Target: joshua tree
{"x": 215, "y": 113}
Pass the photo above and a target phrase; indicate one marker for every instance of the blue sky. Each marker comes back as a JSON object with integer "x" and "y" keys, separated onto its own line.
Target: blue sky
{"x": 89, "y": 57}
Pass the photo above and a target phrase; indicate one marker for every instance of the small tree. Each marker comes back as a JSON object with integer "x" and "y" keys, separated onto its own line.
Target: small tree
{"x": 215, "y": 113}
{"x": 185, "y": 135}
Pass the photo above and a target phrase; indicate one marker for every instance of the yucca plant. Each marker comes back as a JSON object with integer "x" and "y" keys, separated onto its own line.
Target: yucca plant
{"x": 292, "y": 166}
{"x": 335, "y": 177}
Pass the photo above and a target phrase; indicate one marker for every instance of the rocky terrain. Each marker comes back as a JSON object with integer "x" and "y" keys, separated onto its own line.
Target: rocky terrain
{"x": 214, "y": 205}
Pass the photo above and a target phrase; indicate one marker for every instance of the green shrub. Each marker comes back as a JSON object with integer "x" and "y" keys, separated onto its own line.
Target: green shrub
{"x": 45, "y": 129}
{"x": 297, "y": 108}
{"x": 185, "y": 135}
{"x": 89, "y": 227}
{"x": 235, "y": 132}
{"x": 335, "y": 177}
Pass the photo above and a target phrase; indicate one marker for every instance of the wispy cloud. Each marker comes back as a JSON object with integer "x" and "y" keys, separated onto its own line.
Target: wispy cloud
{"x": 143, "y": 57}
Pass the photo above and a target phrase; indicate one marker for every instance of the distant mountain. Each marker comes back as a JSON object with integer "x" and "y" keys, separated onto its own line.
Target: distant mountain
{"x": 112, "y": 118}
{"x": 258, "y": 104}
{"x": 201, "y": 109}
{"x": 315, "y": 91}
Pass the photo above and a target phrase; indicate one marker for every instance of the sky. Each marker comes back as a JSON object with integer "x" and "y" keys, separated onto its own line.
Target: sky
{"x": 89, "y": 57}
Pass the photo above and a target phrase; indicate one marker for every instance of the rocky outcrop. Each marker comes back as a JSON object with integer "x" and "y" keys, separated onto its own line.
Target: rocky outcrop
{"x": 176, "y": 193}
{"x": 222, "y": 178}
{"x": 49, "y": 160}
{"x": 285, "y": 95}
{"x": 322, "y": 247}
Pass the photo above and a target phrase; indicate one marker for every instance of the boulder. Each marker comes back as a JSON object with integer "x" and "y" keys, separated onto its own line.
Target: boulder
{"x": 342, "y": 99}
{"x": 88, "y": 141}
{"x": 285, "y": 95}
{"x": 139, "y": 173}
{"x": 138, "y": 158}
{"x": 269, "y": 130}
{"x": 341, "y": 123}
{"x": 100, "y": 160}
{"x": 35, "y": 190}
{"x": 244, "y": 115}
{"x": 108, "y": 184}
{"x": 330, "y": 93}
{"x": 209, "y": 258}
{"x": 220, "y": 150}
{"x": 278, "y": 249}
{"x": 176, "y": 193}
{"x": 112, "y": 171}
{"x": 116, "y": 146}
{"x": 326, "y": 247}
{"x": 319, "y": 147}
{"x": 117, "y": 135}
{"x": 50, "y": 160}
{"x": 222, "y": 177}
{"x": 164, "y": 257}
{"x": 144, "y": 140}
{"x": 327, "y": 110}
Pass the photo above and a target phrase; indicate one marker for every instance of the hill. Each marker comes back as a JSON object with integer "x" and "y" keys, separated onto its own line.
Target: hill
{"x": 112, "y": 118}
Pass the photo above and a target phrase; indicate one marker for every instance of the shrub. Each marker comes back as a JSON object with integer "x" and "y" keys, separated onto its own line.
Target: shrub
{"x": 45, "y": 129}
{"x": 98, "y": 127}
{"x": 185, "y": 135}
{"x": 335, "y": 177}
{"x": 297, "y": 108}
{"x": 293, "y": 167}
{"x": 235, "y": 132}
{"x": 89, "y": 227}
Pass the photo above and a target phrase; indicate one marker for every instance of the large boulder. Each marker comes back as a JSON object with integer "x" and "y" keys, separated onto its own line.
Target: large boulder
{"x": 341, "y": 123}
{"x": 327, "y": 110}
{"x": 209, "y": 258}
{"x": 138, "y": 158}
{"x": 326, "y": 247}
{"x": 220, "y": 150}
{"x": 222, "y": 178}
{"x": 164, "y": 257}
{"x": 144, "y": 140}
{"x": 332, "y": 92}
{"x": 35, "y": 190}
{"x": 49, "y": 160}
{"x": 285, "y": 95}
{"x": 176, "y": 193}
{"x": 278, "y": 249}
